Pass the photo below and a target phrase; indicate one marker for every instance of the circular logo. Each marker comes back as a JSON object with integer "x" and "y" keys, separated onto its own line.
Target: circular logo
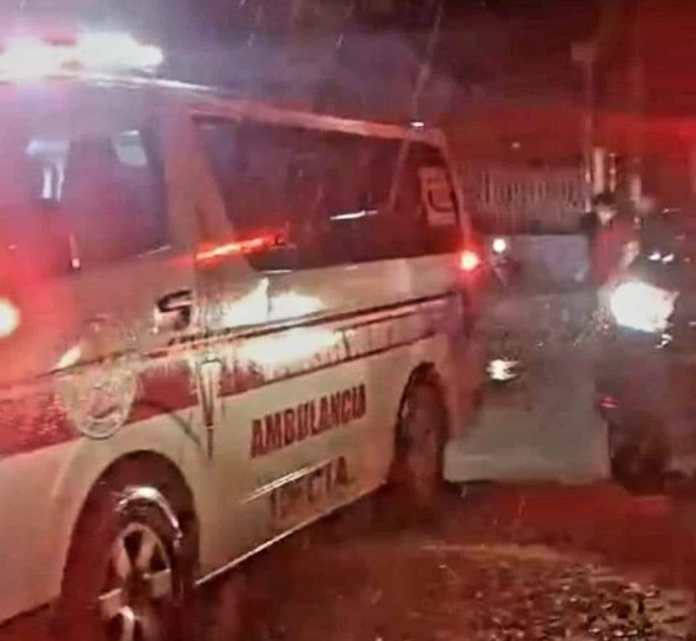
{"x": 99, "y": 399}
{"x": 98, "y": 392}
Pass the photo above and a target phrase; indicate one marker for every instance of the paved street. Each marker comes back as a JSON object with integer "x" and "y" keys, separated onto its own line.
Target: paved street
{"x": 502, "y": 563}
{"x": 534, "y": 562}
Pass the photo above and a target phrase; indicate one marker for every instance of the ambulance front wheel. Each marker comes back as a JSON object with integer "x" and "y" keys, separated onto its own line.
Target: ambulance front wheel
{"x": 130, "y": 570}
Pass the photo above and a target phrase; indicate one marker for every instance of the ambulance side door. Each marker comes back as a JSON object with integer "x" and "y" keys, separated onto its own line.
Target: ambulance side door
{"x": 270, "y": 470}
{"x": 132, "y": 283}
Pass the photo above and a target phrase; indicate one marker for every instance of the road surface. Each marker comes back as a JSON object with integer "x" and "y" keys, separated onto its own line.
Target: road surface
{"x": 502, "y": 563}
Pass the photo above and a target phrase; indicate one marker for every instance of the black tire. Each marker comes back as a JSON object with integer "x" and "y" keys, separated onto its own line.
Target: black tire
{"x": 417, "y": 469}
{"x": 637, "y": 457}
{"x": 130, "y": 568}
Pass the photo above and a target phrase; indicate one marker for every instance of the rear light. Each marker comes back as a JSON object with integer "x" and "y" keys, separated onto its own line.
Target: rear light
{"x": 469, "y": 260}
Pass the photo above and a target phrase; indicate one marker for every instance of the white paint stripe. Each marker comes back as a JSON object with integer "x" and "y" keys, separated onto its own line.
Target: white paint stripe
{"x": 284, "y": 480}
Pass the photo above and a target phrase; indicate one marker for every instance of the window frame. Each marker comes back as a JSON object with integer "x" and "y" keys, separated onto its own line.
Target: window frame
{"x": 237, "y": 114}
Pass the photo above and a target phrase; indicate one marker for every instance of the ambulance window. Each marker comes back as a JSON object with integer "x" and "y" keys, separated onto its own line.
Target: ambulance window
{"x": 72, "y": 198}
{"x": 113, "y": 195}
{"x": 416, "y": 212}
{"x": 272, "y": 183}
{"x": 252, "y": 164}
{"x": 356, "y": 177}
{"x": 336, "y": 198}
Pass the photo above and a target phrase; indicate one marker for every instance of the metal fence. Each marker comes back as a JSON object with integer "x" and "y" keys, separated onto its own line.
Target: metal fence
{"x": 524, "y": 200}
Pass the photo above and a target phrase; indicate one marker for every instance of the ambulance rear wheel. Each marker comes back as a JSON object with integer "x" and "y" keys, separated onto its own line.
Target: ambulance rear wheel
{"x": 129, "y": 573}
{"x": 417, "y": 470}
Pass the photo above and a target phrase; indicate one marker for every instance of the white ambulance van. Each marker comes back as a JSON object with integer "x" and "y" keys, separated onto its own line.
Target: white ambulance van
{"x": 219, "y": 321}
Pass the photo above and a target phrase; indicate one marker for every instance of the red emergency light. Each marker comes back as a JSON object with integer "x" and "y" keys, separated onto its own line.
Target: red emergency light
{"x": 26, "y": 57}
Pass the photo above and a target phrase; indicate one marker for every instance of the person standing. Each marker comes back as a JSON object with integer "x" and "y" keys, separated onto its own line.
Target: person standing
{"x": 613, "y": 240}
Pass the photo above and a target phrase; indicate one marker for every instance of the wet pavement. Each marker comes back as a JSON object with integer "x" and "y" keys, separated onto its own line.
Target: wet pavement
{"x": 501, "y": 564}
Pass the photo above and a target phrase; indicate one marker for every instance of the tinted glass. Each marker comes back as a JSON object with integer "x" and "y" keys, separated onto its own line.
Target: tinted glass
{"x": 420, "y": 215}
{"x": 73, "y": 198}
{"x": 337, "y": 198}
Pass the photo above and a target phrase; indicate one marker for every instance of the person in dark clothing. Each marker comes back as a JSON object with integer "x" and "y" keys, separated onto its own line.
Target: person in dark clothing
{"x": 612, "y": 237}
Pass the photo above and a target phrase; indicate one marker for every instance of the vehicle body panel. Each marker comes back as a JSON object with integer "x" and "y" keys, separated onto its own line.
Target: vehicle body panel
{"x": 274, "y": 395}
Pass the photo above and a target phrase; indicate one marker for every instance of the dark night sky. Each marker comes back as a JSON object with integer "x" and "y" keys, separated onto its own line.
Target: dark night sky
{"x": 496, "y": 50}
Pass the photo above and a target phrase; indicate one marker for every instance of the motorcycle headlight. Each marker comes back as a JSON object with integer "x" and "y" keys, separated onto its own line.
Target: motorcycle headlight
{"x": 499, "y": 245}
{"x": 641, "y": 306}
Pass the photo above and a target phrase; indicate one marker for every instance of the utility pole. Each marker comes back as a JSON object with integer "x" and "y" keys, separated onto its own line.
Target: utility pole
{"x": 426, "y": 67}
{"x": 637, "y": 94}
{"x": 610, "y": 32}
{"x": 424, "y": 74}
{"x": 585, "y": 55}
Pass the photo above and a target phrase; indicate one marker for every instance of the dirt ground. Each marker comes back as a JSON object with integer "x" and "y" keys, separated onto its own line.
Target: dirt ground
{"x": 498, "y": 564}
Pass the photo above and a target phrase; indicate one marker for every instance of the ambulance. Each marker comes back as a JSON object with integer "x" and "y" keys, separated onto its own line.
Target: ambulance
{"x": 219, "y": 321}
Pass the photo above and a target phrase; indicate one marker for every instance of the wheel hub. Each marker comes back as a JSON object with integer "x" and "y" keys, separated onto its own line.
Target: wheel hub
{"x": 138, "y": 588}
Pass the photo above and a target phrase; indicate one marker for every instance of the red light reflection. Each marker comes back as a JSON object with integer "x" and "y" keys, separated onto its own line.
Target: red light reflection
{"x": 238, "y": 247}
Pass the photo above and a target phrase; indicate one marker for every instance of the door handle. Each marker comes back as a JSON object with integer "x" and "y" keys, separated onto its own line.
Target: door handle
{"x": 173, "y": 311}
{"x": 176, "y": 301}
